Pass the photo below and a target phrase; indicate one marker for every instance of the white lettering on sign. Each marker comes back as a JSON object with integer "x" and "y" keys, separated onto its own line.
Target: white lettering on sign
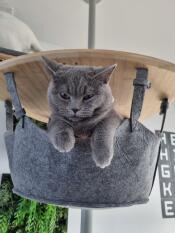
{"x": 165, "y": 170}
{"x": 169, "y": 208}
{"x": 164, "y": 154}
{"x": 172, "y": 138}
{"x": 164, "y": 138}
{"x": 166, "y": 167}
{"x": 167, "y": 189}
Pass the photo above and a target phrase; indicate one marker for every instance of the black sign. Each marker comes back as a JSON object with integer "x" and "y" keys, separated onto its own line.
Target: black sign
{"x": 166, "y": 167}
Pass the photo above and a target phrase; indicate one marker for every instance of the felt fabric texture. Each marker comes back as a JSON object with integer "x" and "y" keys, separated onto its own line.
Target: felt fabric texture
{"x": 42, "y": 173}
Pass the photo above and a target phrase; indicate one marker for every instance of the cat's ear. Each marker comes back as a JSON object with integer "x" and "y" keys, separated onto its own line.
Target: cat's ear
{"x": 51, "y": 66}
{"x": 105, "y": 73}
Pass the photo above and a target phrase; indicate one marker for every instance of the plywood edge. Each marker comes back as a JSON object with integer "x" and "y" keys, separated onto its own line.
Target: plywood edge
{"x": 118, "y": 55}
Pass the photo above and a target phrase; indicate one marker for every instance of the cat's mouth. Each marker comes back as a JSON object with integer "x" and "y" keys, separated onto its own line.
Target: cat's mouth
{"x": 77, "y": 118}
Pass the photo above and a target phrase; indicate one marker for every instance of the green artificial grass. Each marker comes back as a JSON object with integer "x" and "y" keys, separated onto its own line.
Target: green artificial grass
{"x": 19, "y": 215}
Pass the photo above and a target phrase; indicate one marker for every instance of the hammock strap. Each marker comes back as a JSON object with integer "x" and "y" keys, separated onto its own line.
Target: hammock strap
{"x": 12, "y": 89}
{"x": 141, "y": 83}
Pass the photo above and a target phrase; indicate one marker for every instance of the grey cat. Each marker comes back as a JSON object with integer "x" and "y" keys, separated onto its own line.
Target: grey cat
{"x": 81, "y": 102}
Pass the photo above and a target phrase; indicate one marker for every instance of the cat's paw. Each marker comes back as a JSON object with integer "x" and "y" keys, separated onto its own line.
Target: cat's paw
{"x": 64, "y": 142}
{"x": 102, "y": 156}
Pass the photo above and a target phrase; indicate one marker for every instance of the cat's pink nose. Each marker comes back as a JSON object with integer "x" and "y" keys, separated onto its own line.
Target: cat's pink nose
{"x": 75, "y": 110}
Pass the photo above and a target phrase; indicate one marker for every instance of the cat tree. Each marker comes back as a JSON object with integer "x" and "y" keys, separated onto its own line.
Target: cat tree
{"x": 32, "y": 81}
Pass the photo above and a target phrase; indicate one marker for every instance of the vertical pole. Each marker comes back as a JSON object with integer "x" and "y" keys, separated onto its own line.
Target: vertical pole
{"x": 86, "y": 221}
{"x": 91, "y": 28}
{"x": 86, "y": 214}
{"x": 0, "y": 179}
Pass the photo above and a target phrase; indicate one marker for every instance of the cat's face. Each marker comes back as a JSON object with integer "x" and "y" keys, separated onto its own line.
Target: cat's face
{"x": 78, "y": 92}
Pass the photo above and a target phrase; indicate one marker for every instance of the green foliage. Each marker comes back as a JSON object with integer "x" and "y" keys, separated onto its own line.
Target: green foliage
{"x": 31, "y": 223}
{"x": 21, "y": 212}
{"x": 20, "y": 215}
{"x": 6, "y": 206}
{"x": 61, "y": 226}
{"x": 4, "y": 223}
{"x": 5, "y": 194}
{"x": 48, "y": 219}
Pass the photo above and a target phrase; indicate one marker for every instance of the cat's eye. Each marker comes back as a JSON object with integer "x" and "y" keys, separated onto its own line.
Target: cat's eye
{"x": 87, "y": 97}
{"x": 64, "y": 96}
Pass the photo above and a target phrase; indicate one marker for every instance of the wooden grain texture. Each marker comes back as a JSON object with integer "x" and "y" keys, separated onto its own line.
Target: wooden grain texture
{"x": 32, "y": 80}
{"x": 5, "y": 56}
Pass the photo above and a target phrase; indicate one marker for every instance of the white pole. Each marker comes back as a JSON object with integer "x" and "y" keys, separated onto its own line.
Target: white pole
{"x": 0, "y": 179}
{"x": 86, "y": 221}
{"x": 91, "y": 27}
{"x": 86, "y": 214}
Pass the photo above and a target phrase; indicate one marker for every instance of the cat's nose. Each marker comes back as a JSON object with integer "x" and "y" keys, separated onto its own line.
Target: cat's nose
{"x": 75, "y": 110}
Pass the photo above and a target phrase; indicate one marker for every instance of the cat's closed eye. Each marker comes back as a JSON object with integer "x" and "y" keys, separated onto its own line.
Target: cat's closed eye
{"x": 64, "y": 96}
{"x": 87, "y": 97}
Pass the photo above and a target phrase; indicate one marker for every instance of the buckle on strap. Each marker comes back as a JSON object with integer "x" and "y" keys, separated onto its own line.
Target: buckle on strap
{"x": 164, "y": 106}
{"x": 20, "y": 113}
{"x": 142, "y": 83}
{"x": 142, "y": 78}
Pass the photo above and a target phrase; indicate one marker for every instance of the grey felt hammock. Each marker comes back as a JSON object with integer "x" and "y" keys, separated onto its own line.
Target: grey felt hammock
{"x": 42, "y": 173}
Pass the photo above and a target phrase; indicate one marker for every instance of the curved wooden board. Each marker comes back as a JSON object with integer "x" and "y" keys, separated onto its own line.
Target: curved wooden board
{"x": 32, "y": 80}
{"x": 4, "y": 56}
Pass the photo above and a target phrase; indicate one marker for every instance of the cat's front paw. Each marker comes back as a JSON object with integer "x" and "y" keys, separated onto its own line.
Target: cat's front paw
{"x": 64, "y": 142}
{"x": 102, "y": 156}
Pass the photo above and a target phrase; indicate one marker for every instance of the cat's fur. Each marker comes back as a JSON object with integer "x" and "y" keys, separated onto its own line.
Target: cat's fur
{"x": 16, "y": 35}
{"x": 86, "y": 91}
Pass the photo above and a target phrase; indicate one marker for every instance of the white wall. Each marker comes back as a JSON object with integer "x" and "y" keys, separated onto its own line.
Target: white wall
{"x": 4, "y": 167}
{"x": 61, "y": 22}
{"x": 145, "y": 27}
{"x": 142, "y": 26}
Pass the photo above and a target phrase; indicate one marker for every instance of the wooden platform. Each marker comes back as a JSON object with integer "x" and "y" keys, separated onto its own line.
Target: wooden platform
{"x": 32, "y": 80}
{"x": 4, "y": 56}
